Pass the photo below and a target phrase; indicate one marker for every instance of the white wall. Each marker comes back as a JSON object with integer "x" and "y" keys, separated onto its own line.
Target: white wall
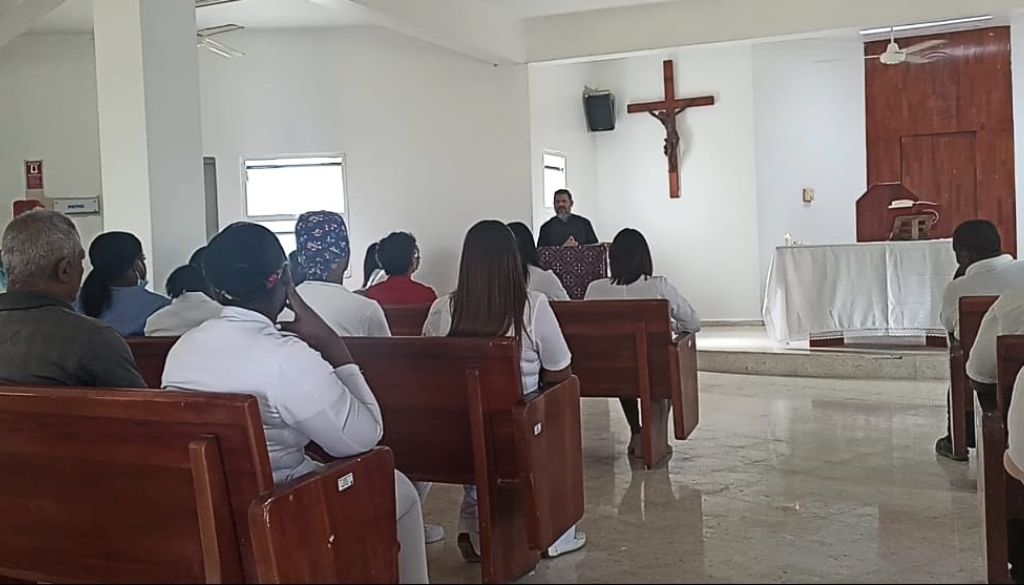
{"x": 434, "y": 141}
{"x": 810, "y": 127}
{"x": 48, "y": 111}
{"x": 558, "y": 124}
{"x": 706, "y": 241}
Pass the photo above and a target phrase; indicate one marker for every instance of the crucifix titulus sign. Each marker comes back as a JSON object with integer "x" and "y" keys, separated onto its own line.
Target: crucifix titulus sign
{"x": 666, "y": 112}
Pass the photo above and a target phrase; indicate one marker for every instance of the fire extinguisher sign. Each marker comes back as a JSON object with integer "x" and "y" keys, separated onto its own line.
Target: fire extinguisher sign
{"x": 34, "y": 175}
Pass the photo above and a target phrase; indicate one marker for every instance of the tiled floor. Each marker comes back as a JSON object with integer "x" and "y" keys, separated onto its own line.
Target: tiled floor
{"x": 785, "y": 480}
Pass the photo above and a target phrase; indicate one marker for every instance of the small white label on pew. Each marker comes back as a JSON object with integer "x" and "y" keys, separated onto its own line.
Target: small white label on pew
{"x": 346, "y": 482}
{"x": 537, "y": 428}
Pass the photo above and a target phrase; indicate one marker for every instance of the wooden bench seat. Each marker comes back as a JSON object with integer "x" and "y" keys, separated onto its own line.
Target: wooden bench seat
{"x": 625, "y": 349}
{"x": 454, "y": 412}
{"x": 143, "y": 486}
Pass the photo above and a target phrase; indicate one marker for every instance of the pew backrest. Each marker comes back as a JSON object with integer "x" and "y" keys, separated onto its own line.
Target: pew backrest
{"x": 150, "y": 356}
{"x": 406, "y": 321}
{"x": 128, "y": 485}
{"x": 972, "y": 311}
{"x": 1010, "y": 355}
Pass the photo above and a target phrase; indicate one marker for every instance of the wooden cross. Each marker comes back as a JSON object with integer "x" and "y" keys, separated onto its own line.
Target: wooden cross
{"x": 666, "y": 112}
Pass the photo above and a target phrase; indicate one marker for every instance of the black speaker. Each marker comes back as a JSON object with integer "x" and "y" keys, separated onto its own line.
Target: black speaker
{"x": 600, "y": 109}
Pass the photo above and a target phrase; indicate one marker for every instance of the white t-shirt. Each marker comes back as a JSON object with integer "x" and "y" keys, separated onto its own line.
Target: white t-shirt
{"x": 684, "y": 317}
{"x": 1004, "y": 317}
{"x": 986, "y": 277}
{"x": 543, "y": 345}
{"x": 301, "y": 396}
{"x": 1015, "y": 424}
{"x": 349, "y": 314}
{"x": 546, "y": 283}
{"x": 185, "y": 313}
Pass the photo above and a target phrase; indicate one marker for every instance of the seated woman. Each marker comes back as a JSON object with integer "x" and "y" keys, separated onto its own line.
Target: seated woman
{"x": 372, "y": 272}
{"x": 399, "y": 256}
{"x": 491, "y": 269}
{"x": 190, "y": 306}
{"x": 537, "y": 279}
{"x": 115, "y": 290}
{"x": 308, "y": 387}
{"x": 633, "y": 278}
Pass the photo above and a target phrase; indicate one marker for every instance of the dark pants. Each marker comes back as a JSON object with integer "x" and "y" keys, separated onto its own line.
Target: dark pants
{"x": 631, "y": 408}
{"x": 949, "y": 422}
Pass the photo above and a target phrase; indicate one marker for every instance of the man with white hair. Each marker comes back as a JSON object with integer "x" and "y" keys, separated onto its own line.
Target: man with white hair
{"x": 43, "y": 341}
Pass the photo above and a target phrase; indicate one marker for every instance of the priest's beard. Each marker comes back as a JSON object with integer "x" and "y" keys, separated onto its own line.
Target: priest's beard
{"x": 563, "y": 214}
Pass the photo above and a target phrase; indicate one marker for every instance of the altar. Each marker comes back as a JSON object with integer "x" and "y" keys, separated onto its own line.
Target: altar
{"x": 857, "y": 290}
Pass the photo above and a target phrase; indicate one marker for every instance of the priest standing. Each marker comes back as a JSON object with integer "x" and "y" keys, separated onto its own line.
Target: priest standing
{"x": 566, "y": 229}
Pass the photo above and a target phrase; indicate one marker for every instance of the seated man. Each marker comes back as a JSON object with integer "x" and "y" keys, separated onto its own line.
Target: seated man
{"x": 43, "y": 341}
{"x": 399, "y": 256}
{"x": 986, "y": 271}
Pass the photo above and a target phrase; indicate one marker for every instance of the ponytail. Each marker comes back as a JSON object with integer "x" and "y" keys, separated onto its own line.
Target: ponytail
{"x": 112, "y": 255}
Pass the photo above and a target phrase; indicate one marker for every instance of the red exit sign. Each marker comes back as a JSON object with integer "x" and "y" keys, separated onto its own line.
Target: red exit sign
{"x": 34, "y": 175}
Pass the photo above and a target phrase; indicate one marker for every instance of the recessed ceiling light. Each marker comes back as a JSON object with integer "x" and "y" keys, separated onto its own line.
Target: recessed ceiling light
{"x": 904, "y": 27}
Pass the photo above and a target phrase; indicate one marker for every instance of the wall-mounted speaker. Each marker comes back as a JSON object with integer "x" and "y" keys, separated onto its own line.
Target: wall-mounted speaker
{"x": 600, "y": 109}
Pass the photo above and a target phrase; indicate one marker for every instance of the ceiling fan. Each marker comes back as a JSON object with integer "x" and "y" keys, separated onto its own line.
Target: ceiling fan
{"x": 203, "y": 35}
{"x": 203, "y": 40}
{"x": 919, "y": 53}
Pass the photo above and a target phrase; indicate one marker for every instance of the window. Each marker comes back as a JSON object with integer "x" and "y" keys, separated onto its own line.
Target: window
{"x": 554, "y": 177}
{"x": 278, "y": 190}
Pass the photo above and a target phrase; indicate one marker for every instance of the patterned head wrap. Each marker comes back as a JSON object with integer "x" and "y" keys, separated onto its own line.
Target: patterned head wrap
{"x": 322, "y": 240}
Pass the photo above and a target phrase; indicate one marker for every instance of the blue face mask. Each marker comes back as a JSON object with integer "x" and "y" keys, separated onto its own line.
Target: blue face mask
{"x": 143, "y": 283}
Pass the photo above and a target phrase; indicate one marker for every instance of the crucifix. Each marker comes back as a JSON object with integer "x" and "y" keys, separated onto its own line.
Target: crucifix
{"x": 666, "y": 112}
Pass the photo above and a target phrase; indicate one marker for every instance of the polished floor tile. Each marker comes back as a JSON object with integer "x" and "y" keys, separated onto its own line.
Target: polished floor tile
{"x": 785, "y": 480}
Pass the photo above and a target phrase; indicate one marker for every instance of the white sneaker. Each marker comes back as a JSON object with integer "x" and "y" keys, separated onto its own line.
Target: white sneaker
{"x": 566, "y": 544}
{"x": 433, "y": 533}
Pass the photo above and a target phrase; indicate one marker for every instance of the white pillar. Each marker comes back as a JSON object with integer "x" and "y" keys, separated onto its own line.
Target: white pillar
{"x": 147, "y": 75}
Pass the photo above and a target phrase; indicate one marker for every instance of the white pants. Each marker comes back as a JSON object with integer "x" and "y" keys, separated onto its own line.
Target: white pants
{"x": 469, "y": 518}
{"x": 412, "y": 558}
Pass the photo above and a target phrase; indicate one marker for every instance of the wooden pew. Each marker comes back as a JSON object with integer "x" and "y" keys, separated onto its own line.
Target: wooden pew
{"x": 1002, "y": 495}
{"x": 150, "y": 356}
{"x": 961, "y": 404}
{"x": 454, "y": 412}
{"x": 133, "y": 486}
{"x": 406, "y": 321}
{"x": 315, "y": 514}
{"x": 625, "y": 349}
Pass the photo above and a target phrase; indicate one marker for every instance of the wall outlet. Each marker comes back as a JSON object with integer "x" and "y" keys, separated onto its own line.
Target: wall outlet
{"x": 808, "y": 195}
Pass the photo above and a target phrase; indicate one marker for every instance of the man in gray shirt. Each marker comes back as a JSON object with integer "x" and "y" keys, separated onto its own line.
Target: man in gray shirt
{"x": 43, "y": 341}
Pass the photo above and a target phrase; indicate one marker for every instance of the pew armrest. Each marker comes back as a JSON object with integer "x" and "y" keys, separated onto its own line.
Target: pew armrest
{"x": 333, "y": 526}
{"x": 685, "y": 386}
{"x": 549, "y": 450}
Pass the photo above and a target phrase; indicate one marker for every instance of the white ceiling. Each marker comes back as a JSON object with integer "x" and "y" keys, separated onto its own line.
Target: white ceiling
{"x": 76, "y": 15}
{"x": 534, "y": 8}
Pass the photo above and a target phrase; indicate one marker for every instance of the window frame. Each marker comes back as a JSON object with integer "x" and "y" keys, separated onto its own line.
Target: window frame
{"x": 246, "y": 163}
{"x": 549, "y": 202}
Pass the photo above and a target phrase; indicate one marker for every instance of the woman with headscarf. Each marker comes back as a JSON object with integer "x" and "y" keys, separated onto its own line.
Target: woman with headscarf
{"x": 491, "y": 300}
{"x": 324, "y": 251}
{"x": 115, "y": 290}
{"x": 308, "y": 387}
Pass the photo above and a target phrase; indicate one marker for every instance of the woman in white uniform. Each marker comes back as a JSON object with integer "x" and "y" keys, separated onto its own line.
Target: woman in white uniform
{"x": 308, "y": 387}
{"x": 633, "y": 278}
{"x": 491, "y": 270}
{"x": 537, "y": 279}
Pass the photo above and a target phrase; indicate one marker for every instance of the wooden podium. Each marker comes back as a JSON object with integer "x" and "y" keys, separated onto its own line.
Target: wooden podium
{"x": 576, "y": 266}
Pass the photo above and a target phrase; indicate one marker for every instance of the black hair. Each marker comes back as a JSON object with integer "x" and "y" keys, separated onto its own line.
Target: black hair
{"x": 197, "y": 258}
{"x": 185, "y": 279}
{"x": 112, "y": 255}
{"x": 370, "y": 263}
{"x": 396, "y": 253}
{"x": 629, "y": 257}
{"x": 979, "y": 237}
{"x": 527, "y": 249}
{"x": 565, "y": 192}
{"x": 241, "y": 262}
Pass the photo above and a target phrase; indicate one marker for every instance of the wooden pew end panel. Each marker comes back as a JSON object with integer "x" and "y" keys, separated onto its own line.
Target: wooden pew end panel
{"x": 335, "y": 526}
{"x": 550, "y": 447}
